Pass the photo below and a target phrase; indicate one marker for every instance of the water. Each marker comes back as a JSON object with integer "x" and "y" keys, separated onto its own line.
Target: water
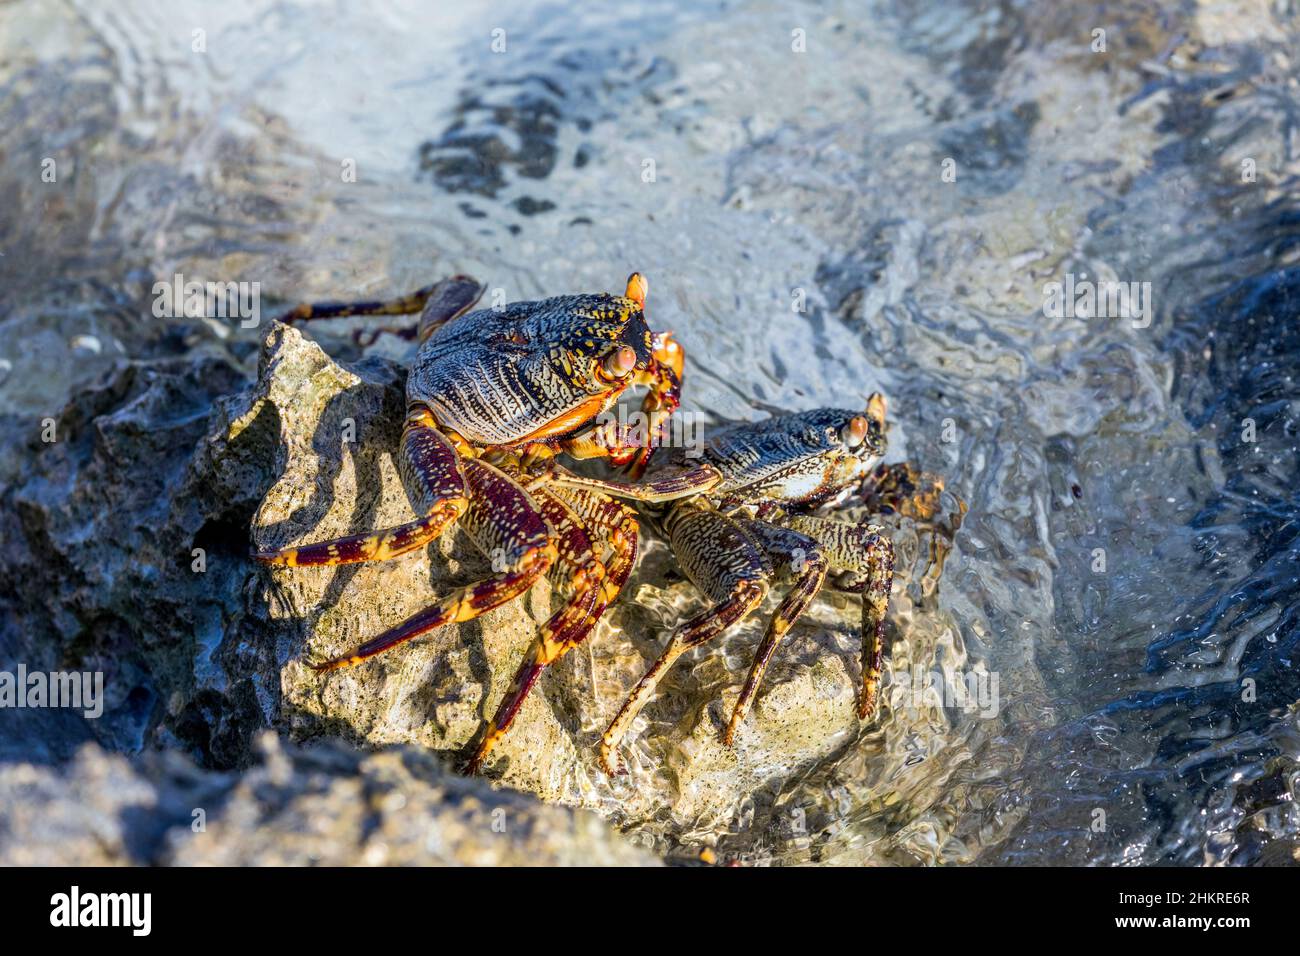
{"x": 1128, "y": 565}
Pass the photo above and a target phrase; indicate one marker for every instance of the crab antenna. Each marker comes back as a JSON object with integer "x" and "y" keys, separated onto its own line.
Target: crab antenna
{"x": 636, "y": 289}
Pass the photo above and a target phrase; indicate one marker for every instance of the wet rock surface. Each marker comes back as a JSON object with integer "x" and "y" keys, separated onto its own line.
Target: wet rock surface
{"x": 136, "y": 524}
{"x": 327, "y": 805}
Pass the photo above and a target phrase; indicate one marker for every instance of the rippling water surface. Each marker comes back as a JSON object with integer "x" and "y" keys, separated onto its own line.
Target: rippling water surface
{"x": 1128, "y": 568}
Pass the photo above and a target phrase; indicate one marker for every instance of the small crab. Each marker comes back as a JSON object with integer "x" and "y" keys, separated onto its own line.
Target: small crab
{"x": 758, "y": 520}
{"x": 492, "y": 397}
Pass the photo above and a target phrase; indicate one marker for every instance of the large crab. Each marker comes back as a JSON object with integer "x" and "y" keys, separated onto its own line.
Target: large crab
{"x": 492, "y": 396}
{"x": 758, "y": 520}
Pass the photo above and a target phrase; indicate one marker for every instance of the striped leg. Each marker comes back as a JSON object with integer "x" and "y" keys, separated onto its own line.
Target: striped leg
{"x": 727, "y": 565}
{"x": 586, "y": 514}
{"x": 802, "y": 555}
{"x": 618, "y": 527}
{"x": 505, "y": 524}
{"x": 430, "y": 465}
{"x": 578, "y": 569}
{"x": 666, "y": 485}
{"x": 864, "y": 557}
{"x": 437, "y": 303}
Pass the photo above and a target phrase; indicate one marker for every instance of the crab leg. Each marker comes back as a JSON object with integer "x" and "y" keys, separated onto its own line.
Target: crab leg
{"x": 438, "y": 303}
{"x": 503, "y": 522}
{"x": 802, "y": 554}
{"x": 619, "y": 532}
{"x": 727, "y": 565}
{"x": 578, "y": 567}
{"x": 746, "y": 596}
{"x": 866, "y": 553}
{"x": 620, "y": 527}
{"x": 875, "y": 605}
{"x": 667, "y": 485}
{"x": 430, "y": 465}
{"x": 619, "y": 524}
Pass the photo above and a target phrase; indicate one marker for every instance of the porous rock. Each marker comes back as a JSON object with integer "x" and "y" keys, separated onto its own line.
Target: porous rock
{"x": 327, "y": 805}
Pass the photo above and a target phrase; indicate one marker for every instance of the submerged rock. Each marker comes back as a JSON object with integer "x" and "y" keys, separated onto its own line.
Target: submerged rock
{"x": 325, "y": 806}
{"x": 138, "y": 526}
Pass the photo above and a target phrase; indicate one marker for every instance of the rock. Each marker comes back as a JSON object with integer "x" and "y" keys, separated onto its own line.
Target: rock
{"x": 438, "y": 690}
{"x": 96, "y": 535}
{"x": 328, "y": 805}
{"x": 138, "y": 523}
{"x": 339, "y": 431}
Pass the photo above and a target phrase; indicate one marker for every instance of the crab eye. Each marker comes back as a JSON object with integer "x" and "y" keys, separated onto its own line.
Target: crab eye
{"x": 618, "y": 363}
{"x": 855, "y": 431}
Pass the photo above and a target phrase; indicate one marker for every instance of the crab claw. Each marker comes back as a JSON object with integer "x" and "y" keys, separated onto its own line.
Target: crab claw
{"x": 664, "y": 378}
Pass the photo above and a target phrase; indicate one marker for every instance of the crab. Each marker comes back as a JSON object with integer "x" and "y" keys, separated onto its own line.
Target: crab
{"x": 493, "y": 396}
{"x": 732, "y": 539}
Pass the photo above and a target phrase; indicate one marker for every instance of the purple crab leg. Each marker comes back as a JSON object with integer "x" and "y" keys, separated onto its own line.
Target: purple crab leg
{"x": 576, "y": 567}
{"x": 432, "y": 467}
{"x": 588, "y": 513}
{"x": 438, "y": 303}
{"x": 502, "y": 521}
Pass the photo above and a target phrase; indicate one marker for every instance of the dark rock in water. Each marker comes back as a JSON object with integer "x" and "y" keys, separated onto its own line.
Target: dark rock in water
{"x": 327, "y": 805}
{"x": 95, "y": 549}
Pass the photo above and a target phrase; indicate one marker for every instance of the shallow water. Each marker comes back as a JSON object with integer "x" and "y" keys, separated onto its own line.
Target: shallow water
{"x": 1128, "y": 566}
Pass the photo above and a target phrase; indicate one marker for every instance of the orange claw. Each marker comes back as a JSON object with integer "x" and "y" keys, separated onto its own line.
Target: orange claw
{"x": 663, "y": 376}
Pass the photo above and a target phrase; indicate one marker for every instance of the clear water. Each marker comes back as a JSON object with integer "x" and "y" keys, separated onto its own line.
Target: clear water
{"x": 1128, "y": 568}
